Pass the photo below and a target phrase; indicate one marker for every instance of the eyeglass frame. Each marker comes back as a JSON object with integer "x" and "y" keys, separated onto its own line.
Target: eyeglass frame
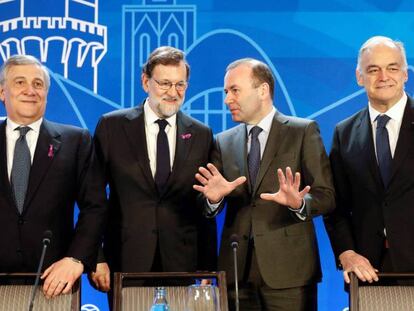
{"x": 170, "y": 85}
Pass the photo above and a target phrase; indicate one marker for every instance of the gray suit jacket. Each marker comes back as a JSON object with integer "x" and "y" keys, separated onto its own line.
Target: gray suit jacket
{"x": 286, "y": 247}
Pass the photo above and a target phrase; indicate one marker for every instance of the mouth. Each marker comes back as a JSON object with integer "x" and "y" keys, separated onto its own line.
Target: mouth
{"x": 234, "y": 110}
{"x": 381, "y": 87}
{"x": 170, "y": 100}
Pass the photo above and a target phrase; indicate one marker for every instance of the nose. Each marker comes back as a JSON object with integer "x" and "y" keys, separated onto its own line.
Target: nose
{"x": 172, "y": 91}
{"x": 228, "y": 98}
{"x": 383, "y": 75}
{"x": 29, "y": 90}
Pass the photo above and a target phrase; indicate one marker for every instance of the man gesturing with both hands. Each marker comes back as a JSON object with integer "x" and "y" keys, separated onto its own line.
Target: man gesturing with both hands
{"x": 278, "y": 261}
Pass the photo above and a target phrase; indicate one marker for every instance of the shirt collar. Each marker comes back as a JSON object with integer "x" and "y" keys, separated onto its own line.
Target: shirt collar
{"x": 396, "y": 112}
{"x": 265, "y": 124}
{"x": 150, "y": 116}
{"x": 35, "y": 126}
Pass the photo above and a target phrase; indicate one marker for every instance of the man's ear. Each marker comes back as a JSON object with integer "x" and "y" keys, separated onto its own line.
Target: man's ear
{"x": 264, "y": 90}
{"x": 2, "y": 96}
{"x": 359, "y": 77}
{"x": 144, "y": 82}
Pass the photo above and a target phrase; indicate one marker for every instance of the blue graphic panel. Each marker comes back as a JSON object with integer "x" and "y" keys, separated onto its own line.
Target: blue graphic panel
{"x": 95, "y": 49}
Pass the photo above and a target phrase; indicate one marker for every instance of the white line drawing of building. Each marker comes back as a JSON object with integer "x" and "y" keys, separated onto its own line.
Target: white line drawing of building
{"x": 63, "y": 33}
{"x": 147, "y": 26}
{"x": 162, "y": 22}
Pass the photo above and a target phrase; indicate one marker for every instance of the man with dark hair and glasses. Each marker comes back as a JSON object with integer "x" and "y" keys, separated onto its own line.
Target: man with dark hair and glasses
{"x": 149, "y": 155}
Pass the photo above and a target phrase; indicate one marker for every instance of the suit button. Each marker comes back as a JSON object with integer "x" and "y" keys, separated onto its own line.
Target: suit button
{"x": 19, "y": 251}
{"x": 21, "y": 221}
{"x": 154, "y": 231}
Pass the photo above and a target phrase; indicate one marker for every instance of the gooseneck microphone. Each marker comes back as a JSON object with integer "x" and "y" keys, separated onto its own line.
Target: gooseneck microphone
{"x": 234, "y": 243}
{"x": 47, "y": 236}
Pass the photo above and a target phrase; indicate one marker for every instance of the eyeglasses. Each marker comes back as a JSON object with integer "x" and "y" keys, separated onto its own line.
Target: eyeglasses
{"x": 166, "y": 85}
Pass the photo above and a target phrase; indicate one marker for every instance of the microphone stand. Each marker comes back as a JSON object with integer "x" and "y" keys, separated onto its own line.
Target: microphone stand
{"x": 236, "y": 281}
{"x": 45, "y": 242}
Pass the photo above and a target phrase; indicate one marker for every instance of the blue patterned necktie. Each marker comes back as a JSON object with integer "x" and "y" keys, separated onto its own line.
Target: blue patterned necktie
{"x": 383, "y": 148}
{"x": 162, "y": 172}
{"x": 21, "y": 168}
{"x": 253, "y": 159}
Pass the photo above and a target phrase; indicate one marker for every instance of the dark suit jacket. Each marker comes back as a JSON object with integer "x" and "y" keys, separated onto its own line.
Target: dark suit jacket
{"x": 286, "y": 247}
{"x": 56, "y": 182}
{"x": 139, "y": 215}
{"x": 364, "y": 207}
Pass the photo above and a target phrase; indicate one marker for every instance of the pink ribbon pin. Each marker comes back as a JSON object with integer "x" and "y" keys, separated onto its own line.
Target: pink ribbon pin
{"x": 50, "y": 153}
{"x": 186, "y": 136}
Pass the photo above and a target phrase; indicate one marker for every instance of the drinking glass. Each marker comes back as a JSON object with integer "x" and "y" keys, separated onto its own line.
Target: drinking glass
{"x": 201, "y": 298}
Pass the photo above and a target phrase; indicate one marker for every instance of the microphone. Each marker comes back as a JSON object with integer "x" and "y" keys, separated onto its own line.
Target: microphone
{"x": 47, "y": 236}
{"x": 234, "y": 243}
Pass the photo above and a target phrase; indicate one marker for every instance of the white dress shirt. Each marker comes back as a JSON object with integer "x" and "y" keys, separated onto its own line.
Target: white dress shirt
{"x": 12, "y": 135}
{"x": 151, "y": 133}
{"x": 265, "y": 124}
{"x": 393, "y": 126}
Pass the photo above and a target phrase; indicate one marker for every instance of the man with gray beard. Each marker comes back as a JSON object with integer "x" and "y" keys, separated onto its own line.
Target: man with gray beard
{"x": 149, "y": 155}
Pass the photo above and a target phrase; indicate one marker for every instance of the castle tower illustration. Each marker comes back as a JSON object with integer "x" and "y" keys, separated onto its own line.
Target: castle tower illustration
{"x": 145, "y": 27}
{"x": 64, "y": 34}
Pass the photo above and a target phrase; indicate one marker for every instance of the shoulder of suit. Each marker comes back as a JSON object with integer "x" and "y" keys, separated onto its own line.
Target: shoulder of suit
{"x": 63, "y": 128}
{"x": 126, "y": 112}
{"x": 301, "y": 122}
{"x": 410, "y": 101}
{"x": 350, "y": 121}
{"x": 231, "y": 132}
{"x": 190, "y": 120}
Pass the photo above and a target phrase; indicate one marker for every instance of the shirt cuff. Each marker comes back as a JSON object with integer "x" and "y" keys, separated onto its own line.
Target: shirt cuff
{"x": 300, "y": 213}
{"x": 212, "y": 207}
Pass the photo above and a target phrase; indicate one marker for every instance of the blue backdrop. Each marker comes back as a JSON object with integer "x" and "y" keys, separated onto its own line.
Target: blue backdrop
{"x": 95, "y": 49}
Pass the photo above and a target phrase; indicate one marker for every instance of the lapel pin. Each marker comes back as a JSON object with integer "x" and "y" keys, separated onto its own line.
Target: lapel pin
{"x": 186, "y": 136}
{"x": 51, "y": 152}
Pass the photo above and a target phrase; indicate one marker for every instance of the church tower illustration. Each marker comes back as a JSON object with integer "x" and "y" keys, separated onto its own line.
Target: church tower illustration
{"x": 64, "y": 34}
{"x": 147, "y": 26}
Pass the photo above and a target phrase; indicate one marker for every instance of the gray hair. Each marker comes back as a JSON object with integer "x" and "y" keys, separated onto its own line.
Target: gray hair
{"x": 18, "y": 60}
{"x": 377, "y": 40}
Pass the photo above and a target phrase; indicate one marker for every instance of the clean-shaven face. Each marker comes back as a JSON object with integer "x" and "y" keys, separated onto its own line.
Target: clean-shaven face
{"x": 24, "y": 93}
{"x": 383, "y": 75}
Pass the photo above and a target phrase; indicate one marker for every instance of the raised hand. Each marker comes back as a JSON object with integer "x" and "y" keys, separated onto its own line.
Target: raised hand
{"x": 213, "y": 185}
{"x": 288, "y": 194}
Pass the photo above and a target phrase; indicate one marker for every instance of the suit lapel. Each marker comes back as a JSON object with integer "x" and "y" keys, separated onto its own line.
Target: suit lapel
{"x": 405, "y": 138}
{"x": 183, "y": 145}
{"x": 366, "y": 148}
{"x": 239, "y": 143}
{"x": 47, "y": 147}
{"x": 278, "y": 132}
{"x": 5, "y": 186}
{"x": 135, "y": 132}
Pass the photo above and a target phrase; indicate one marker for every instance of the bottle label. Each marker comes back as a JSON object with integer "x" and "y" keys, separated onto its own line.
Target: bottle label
{"x": 160, "y": 307}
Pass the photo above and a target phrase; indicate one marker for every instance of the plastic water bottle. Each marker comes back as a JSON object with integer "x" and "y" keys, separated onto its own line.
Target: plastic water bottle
{"x": 160, "y": 301}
